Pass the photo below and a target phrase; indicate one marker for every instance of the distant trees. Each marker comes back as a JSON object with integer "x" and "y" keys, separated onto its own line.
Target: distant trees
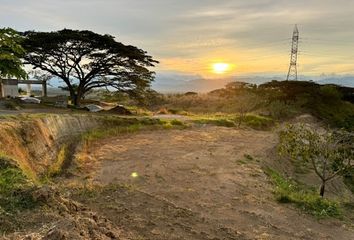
{"x": 85, "y": 60}
{"x": 244, "y": 98}
{"x": 11, "y": 53}
{"x": 244, "y": 104}
{"x": 329, "y": 153}
{"x": 289, "y": 91}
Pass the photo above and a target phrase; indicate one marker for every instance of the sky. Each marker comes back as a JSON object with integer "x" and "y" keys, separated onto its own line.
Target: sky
{"x": 188, "y": 36}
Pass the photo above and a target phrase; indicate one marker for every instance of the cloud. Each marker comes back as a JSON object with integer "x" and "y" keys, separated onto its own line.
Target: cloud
{"x": 253, "y": 34}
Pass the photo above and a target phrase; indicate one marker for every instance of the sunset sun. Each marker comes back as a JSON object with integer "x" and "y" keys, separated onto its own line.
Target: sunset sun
{"x": 220, "y": 68}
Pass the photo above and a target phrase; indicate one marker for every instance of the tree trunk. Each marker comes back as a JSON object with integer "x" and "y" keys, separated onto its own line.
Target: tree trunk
{"x": 79, "y": 95}
{"x": 240, "y": 119}
{"x": 75, "y": 99}
{"x": 322, "y": 189}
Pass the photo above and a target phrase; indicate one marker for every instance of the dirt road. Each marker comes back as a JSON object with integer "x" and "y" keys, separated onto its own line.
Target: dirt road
{"x": 199, "y": 183}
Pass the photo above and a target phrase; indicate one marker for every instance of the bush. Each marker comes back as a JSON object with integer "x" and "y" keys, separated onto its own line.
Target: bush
{"x": 280, "y": 110}
{"x": 11, "y": 105}
{"x": 176, "y": 122}
{"x": 340, "y": 114}
{"x": 330, "y": 94}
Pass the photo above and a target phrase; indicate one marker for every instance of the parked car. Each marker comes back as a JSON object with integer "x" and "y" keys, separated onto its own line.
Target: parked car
{"x": 93, "y": 108}
{"x": 30, "y": 100}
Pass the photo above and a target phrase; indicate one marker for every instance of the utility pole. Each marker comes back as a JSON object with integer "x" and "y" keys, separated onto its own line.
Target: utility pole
{"x": 292, "y": 74}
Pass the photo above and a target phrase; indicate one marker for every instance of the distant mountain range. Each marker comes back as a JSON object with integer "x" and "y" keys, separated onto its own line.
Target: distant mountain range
{"x": 184, "y": 83}
{"x": 195, "y": 83}
{"x": 174, "y": 82}
{"x": 347, "y": 81}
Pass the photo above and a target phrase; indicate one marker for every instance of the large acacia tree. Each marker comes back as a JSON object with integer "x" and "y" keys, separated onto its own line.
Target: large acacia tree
{"x": 85, "y": 60}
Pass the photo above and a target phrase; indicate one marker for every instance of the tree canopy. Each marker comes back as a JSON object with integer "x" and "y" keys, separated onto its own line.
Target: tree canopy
{"x": 330, "y": 153}
{"x": 85, "y": 60}
{"x": 10, "y": 53}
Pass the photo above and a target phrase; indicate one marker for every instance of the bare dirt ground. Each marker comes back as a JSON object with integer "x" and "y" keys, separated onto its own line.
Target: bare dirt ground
{"x": 197, "y": 183}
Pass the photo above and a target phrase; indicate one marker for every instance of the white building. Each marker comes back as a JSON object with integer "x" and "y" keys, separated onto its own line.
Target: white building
{"x": 8, "y": 88}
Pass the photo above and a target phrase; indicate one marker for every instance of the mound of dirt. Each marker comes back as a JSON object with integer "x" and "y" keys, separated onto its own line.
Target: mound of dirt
{"x": 72, "y": 221}
{"x": 121, "y": 110}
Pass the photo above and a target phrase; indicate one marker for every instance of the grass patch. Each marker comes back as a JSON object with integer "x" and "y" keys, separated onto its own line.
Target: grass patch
{"x": 101, "y": 133}
{"x": 176, "y": 122}
{"x": 232, "y": 120}
{"x": 15, "y": 189}
{"x": 289, "y": 191}
{"x": 12, "y": 105}
{"x": 256, "y": 121}
{"x": 217, "y": 122}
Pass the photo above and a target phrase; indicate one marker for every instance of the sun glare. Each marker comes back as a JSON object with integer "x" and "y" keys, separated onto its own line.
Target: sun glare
{"x": 220, "y": 68}
{"x": 134, "y": 175}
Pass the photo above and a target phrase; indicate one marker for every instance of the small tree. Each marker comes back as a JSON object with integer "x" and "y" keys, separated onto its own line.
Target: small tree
{"x": 245, "y": 102}
{"x": 329, "y": 153}
{"x": 10, "y": 53}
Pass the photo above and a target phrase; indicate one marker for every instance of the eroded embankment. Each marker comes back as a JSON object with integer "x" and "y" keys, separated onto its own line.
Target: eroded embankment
{"x": 35, "y": 141}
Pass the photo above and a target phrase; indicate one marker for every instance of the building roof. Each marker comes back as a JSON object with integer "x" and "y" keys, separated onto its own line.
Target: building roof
{"x": 9, "y": 81}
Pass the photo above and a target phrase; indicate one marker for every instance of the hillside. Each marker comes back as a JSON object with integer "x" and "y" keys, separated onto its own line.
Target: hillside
{"x": 186, "y": 182}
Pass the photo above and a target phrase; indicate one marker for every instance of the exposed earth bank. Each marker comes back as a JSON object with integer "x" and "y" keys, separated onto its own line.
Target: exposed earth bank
{"x": 203, "y": 182}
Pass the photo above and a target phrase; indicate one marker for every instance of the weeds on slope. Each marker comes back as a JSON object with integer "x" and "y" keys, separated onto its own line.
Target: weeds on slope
{"x": 308, "y": 200}
{"x": 15, "y": 188}
{"x": 15, "y": 193}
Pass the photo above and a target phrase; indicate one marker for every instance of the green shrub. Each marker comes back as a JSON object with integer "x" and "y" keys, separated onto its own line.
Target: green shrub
{"x": 340, "y": 114}
{"x": 176, "y": 122}
{"x": 330, "y": 94}
{"x": 289, "y": 191}
{"x": 11, "y": 105}
{"x": 281, "y": 110}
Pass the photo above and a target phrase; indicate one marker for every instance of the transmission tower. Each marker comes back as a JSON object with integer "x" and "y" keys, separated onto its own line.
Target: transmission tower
{"x": 292, "y": 74}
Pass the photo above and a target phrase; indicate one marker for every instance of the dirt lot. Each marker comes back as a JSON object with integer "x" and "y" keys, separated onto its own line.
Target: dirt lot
{"x": 199, "y": 183}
